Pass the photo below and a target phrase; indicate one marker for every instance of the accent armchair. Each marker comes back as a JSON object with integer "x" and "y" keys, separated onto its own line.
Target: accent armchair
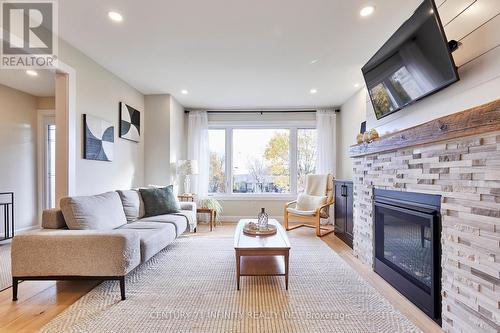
{"x": 312, "y": 205}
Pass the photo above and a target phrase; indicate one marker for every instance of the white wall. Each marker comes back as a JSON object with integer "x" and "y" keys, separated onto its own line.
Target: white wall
{"x": 46, "y": 103}
{"x": 18, "y": 133}
{"x": 98, "y": 93}
{"x": 352, "y": 114}
{"x": 178, "y": 134}
{"x": 166, "y": 138}
{"x": 157, "y": 140}
{"x": 478, "y": 60}
{"x": 250, "y": 208}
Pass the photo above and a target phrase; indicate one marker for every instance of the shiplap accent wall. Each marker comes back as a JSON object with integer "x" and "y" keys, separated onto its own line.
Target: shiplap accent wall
{"x": 476, "y": 24}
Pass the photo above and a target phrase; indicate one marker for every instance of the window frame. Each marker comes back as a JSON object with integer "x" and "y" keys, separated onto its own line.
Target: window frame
{"x": 229, "y": 126}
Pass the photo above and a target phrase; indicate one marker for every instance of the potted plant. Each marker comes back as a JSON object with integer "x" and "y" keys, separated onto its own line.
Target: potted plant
{"x": 212, "y": 203}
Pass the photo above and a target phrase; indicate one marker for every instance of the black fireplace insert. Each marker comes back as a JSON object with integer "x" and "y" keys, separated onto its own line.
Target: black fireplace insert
{"x": 407, "y": 246}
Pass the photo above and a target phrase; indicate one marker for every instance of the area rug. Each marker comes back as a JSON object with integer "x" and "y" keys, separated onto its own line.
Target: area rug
{"x": 191, "y": 287}
{"x": 5, "y": 275}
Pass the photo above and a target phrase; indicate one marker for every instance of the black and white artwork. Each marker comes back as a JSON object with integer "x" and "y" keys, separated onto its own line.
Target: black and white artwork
{"x": 99, "y": 136}
{"x": 130, "y": 123}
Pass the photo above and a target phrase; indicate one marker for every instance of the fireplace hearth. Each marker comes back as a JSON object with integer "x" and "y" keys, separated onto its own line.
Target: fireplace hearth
{"x": 407, "y": 246}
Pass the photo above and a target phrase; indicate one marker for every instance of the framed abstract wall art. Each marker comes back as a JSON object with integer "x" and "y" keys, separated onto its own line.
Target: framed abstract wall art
{"x": 98, "y": 139}
{"x": 130, "y": 123}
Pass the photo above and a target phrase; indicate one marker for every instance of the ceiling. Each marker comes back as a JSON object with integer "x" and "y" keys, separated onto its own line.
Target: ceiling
{"x": 235, "y": 53}
{"x": 42, "y": 85}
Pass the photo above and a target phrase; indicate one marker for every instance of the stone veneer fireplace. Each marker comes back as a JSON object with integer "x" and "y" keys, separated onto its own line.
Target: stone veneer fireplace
{"x": 464, "y": 170}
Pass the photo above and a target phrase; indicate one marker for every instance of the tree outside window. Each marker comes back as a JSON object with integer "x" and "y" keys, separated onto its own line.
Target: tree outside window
{"x": 261, "y": 160}
{"x": 255, "y": 169}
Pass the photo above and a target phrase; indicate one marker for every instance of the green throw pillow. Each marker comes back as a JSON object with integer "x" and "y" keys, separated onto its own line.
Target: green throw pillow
{"x": 159, "y": 201}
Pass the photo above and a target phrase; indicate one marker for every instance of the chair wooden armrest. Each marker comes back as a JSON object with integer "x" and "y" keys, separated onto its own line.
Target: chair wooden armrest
{"x": 290, "y": 203}
{"x": 325, "y": 205}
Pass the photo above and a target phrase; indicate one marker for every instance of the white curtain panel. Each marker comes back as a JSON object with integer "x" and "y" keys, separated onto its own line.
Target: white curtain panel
{"x": 326, "y": 125}
{"x": 198, "y": 150}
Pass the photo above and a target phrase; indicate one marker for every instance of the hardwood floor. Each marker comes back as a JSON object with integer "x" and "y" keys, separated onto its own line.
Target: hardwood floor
{"x": 40, "y": 301}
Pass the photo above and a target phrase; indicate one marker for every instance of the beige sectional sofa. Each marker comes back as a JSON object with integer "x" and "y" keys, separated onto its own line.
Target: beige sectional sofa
{"x": 101, "y": 237}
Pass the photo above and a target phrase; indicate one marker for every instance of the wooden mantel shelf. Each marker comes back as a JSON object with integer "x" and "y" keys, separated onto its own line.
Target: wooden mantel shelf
{"x": 478, "y": 120}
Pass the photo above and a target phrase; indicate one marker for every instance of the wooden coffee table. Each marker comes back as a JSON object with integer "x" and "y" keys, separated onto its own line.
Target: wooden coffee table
{"x": 261, "y": 255}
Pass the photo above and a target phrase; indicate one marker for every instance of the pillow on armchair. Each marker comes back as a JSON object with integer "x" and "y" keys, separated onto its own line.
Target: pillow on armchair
{"x": 306, "y": 202}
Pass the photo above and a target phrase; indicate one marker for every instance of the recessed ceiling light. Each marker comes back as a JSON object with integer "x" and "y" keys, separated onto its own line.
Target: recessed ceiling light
{"x": 367, "y": 11}
{"x": 312, "y": 62}
{"x": 356, "y": 85}
{"x": 313, "y": 91}
{"x": 184, "y": 92}
{"x": 115, "y": 16}
{"x": 31, "y": 72}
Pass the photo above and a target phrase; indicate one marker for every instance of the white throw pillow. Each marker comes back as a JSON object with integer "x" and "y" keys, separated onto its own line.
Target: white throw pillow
{"x": 310, "y": 202}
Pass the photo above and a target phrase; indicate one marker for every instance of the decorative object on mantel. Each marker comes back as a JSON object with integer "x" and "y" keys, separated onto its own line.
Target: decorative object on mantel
{"x": 366, "y": 137}
{"x": 362, "y": 130}
{"x": 188, "y": 168}
{"x": 7, "y": 205}
{"x": 98, "y": 139}
{"x": 130, "y": 123}
{"x": 477, "y": 120}
{"x": 373, "y": 135}
{"x": 362, "y": 127}
{"x": 252, "y": 228}
{"x": 359, "y": 138}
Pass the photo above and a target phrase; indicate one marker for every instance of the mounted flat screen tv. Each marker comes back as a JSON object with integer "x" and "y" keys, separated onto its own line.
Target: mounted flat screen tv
{"x": 414, "y": 63}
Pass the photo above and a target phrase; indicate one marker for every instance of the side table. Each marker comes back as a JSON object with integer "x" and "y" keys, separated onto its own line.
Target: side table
{"x": 212, "y": 213}
{"x": 186, "y": 197}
